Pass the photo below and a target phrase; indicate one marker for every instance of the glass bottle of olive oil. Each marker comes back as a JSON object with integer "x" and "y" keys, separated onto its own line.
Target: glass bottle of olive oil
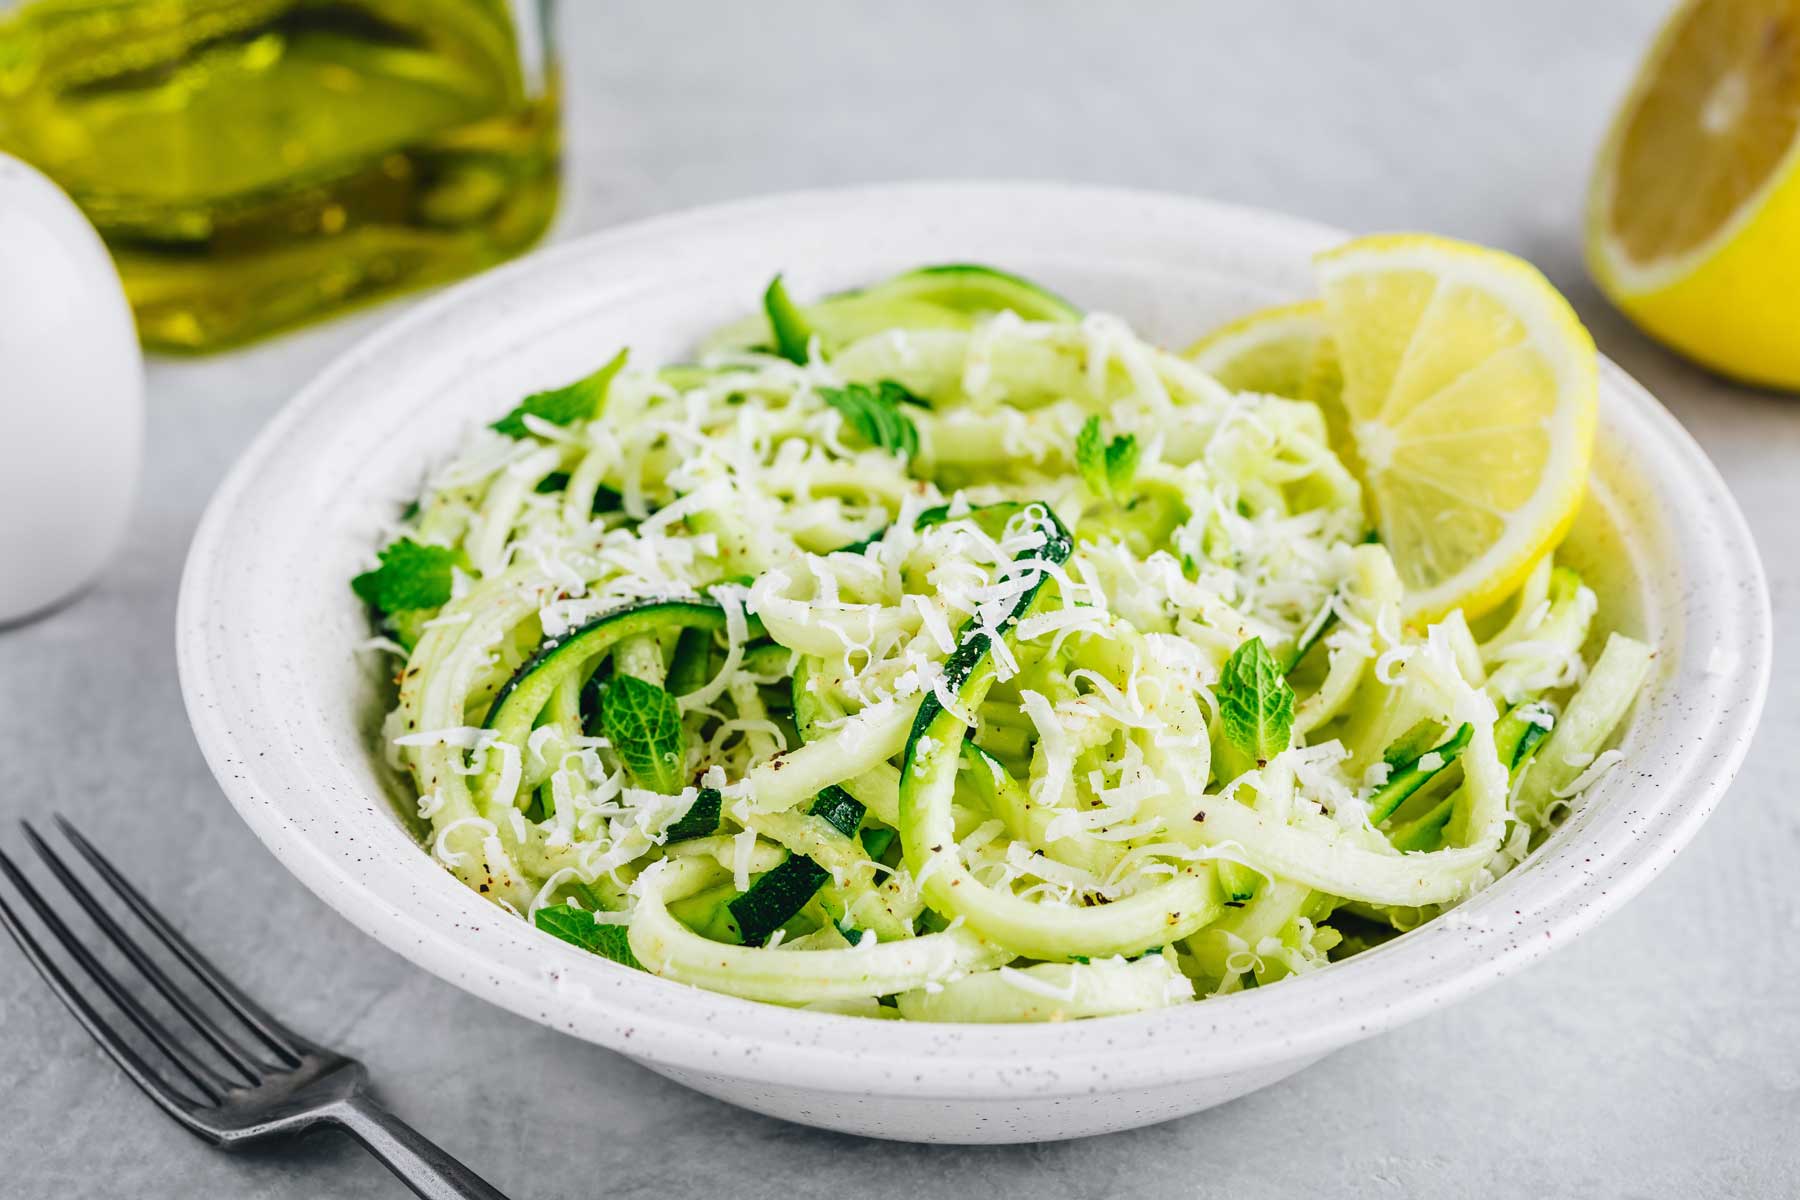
{"x": 258, "y": 163}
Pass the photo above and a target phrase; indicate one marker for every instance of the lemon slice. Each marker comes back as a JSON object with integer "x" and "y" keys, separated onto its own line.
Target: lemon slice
{"x": 1469, "y": 392}
{"x": 1271, "y": 350}
{"x": 1282, "y": 351}
{"x": 1693, "y": 225}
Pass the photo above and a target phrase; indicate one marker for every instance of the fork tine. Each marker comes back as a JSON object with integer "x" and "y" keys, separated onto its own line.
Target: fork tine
{"x": 281, "y": 1040}
{"x": 172, "y": 1101}
{"x": 205, "y": 1026}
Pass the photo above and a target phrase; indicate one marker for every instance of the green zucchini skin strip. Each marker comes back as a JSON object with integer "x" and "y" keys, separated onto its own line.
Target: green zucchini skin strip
{"x": 991, "y": 519}
{"x": 687, "y": 666}
{"x": 702, "y": 820}
{"x": 792, "y": 333}
{"x": 1308, "y": 641}
{"x": 1409, "y": 777}
{"x": 947, "y": 296}
{"x": 977, "y": 288}
{"x": 774, "y": 899}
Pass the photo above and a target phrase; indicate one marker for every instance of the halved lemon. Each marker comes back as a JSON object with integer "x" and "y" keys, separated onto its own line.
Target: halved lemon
{"x": 1469, "y": 392}
{"x": 1272, "y": 350}
{"x": 1693, "y": 225}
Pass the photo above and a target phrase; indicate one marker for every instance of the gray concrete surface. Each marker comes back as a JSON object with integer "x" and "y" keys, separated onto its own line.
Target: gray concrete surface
{"x": 1659, "y": 1057}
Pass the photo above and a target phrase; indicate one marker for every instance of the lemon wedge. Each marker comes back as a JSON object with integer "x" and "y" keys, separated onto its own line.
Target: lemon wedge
{"x": 1271, "y": 350}
{"x": 1282, "y": 351}
{"x": 1693, "y": 225}
{"x": 1468, "y": 390}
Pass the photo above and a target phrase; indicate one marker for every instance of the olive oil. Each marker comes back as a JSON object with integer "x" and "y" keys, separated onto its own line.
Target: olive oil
{"x": 254, "y": 164}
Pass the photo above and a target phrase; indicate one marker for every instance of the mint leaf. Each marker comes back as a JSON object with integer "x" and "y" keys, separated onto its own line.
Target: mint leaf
{"x": 578, "y": 401}
{"x": 789, "y": 324}
{"x": 1106, "y": 467}
{"x": 643, "y": 723}
{"x": 1256, "y": 705}
{"x": 874, "y": 413}
{"x": 576, "y": 926}
{"x": 1090, "y": 456}
{"x": 1121, "y": 462}
{"x": 410, "y": 576}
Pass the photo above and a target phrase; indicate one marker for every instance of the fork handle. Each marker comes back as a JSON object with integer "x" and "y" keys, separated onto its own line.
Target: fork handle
{"x": 419, "y": 1163}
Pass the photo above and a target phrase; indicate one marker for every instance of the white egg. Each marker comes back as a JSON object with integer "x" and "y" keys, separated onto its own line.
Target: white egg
{"x": 71, "y": 397}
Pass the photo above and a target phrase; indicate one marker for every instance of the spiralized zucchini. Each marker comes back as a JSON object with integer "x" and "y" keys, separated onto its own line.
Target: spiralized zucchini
{"x": 938, "y": 652}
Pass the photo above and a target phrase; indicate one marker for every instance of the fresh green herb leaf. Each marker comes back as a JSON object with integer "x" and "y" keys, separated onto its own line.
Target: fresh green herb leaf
{"x": 793, "y": 333}
{"x": 1106, "y": 467}
{"x": 410, "y": 576}
{"x": 576, "y": 926}
{"x": 578, "y": 401}
{"x": 1090, "y": 456}
{"x": 874, "y": 413}
{"x": 643, "y": 723}
{"x": 702, "y": 820}
{"x": 1256, "y": 705}
{"x": 1121, "y": 462}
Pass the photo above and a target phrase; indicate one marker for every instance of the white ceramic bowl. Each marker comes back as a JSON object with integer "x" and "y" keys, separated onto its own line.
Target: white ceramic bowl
{"x": 286, "y": 713}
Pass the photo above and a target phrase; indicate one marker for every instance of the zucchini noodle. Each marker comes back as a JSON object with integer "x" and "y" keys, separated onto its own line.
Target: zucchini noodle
{"x": 940, "y": 652}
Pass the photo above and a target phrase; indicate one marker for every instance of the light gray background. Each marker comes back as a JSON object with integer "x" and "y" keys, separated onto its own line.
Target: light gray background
{"x": 1659, "y": 1057}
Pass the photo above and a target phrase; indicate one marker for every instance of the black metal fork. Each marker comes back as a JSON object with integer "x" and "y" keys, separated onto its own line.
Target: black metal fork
{"x": 277, "y": 1084}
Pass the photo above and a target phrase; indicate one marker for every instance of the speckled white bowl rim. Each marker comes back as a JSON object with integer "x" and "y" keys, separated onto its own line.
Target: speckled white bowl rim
{"x": 247, "y": 692}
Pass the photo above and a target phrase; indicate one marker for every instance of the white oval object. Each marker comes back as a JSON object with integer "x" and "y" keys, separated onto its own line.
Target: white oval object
{"x": 288, "y": 714}
{"x": 71, "y": 397}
